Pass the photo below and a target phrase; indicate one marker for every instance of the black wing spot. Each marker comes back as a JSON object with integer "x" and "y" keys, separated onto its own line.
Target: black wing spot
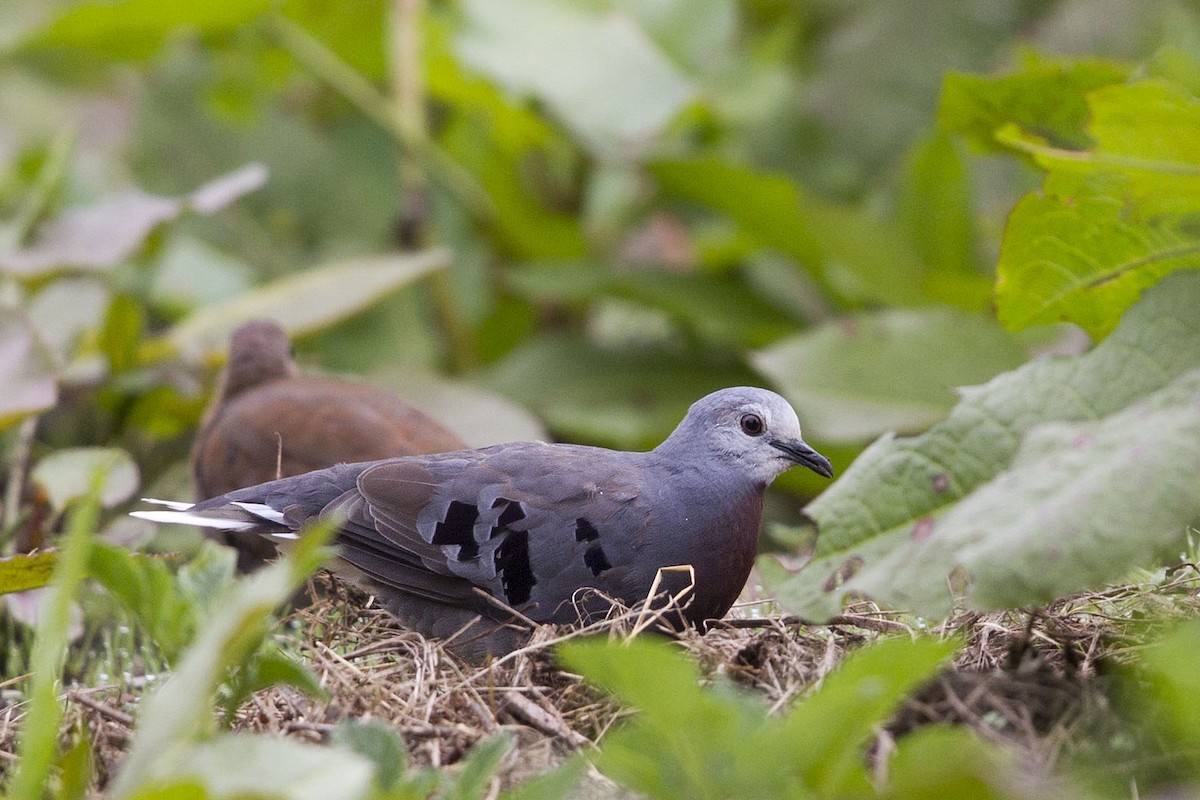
{"x": 459, "y": 528}
{"x": 585, "y": 531}
{"x": 516, "y": 573}
{"x": 595, "y": 559}
{"x": 511, "y": 513}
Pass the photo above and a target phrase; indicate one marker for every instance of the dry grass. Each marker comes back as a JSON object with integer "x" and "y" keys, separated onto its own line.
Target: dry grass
{"x": 1034, "y": 680}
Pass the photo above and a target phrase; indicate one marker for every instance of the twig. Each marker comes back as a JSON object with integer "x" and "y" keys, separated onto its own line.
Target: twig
{"x": 115, "y": 714}
{"x": 538, "y": 718}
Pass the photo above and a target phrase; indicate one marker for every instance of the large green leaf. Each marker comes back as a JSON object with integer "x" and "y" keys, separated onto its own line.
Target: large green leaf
{"x": 899, "y": 486}
{"x": 1112, "y": 218}
{"x": 305, "y": 301}
{"x": 1081, "y": 503}
{"x": 599, "y": 72}
{"x": 858, "y": 377}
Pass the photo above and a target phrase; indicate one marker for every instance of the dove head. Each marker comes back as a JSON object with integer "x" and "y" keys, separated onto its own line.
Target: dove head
{"x": 752, "y": 431}
{"x": 259, "y": 351}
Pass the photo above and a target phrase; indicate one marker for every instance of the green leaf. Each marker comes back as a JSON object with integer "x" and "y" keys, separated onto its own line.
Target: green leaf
{"x": 21, "y": 572}
{"x": 685, "y": 742}
{"x": 558, "y": 783}
{"x": 1110, "y": 221}
{"x": 858, "y": 377}
{"x": 1168, "y": 687}
{"x": 28, "y": 370}
{"x": 136, "y": 29}
{"x": 838, "y": 243}
{"x": 1084, "y": 258}
{"x": 949, "y": 763}
{"x": 1080, "y": 505}
{"x": 899, "y": 486}
{"x": 598, "y": 72}
{"x": 768, "y": 207}
{"x": 66, "y": 475}
{"x": 718, "y": 308}
{"x": 826, "y": 731}
{"x": 268, "y": 668}
{"x": 688, "y": 741}
{"x": 246, "y": 765}
{"x": 621, "y": 398}
{"x": 936, "y": 207}
{"x": 377, "y": 741}
{"x": 1045, "y": 97}
{"x": 178, "y": 715}
{"x": 112, "y": 231}
{"x": 147, "y": 588}
{"x": 472, "y": 780}
{"x": 479, "y": 417}
{"x": 75, "y": 768}
{"x": 305, "y": 301}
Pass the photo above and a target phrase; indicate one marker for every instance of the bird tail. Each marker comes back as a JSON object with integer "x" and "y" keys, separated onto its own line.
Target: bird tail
{"x": 234, "y": 516}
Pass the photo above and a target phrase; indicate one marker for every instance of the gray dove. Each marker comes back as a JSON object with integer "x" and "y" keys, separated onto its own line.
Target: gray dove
{"x": 452, "y": 543}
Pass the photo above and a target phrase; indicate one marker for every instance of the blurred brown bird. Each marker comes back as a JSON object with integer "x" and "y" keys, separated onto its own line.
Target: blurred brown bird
{"x": 268, "y": 421}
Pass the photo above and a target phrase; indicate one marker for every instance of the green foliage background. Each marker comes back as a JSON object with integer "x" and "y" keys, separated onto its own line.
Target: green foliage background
{"x": 573, "y": 218}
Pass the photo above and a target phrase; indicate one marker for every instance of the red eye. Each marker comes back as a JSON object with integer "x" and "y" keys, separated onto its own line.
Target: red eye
{"x": 752, "y": 425}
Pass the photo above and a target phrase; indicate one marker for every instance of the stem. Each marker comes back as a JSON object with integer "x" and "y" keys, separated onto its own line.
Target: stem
{"x": 343, "y": 79}
{"x": 16, "y": 471}
{"x": 408, "y": 84}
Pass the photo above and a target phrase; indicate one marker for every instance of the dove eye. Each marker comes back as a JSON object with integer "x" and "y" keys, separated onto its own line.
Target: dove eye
{"x": 752, "y": 425}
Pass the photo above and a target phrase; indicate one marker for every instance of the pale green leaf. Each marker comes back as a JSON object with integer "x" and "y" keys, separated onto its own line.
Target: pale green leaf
{"x": 1081, "y": 503}
{"x": 305, "y": 301}
{"x": 245, "y": 765}
{"x": 479, "y": 417}
{"x": 899, "y": 485}
{"x": 111, "y": 231}
{"x": 66, "y": 475}
{"x": 858, "y": 377}
{"x": 599, "y": 72}
{"x": 27, "y": 369}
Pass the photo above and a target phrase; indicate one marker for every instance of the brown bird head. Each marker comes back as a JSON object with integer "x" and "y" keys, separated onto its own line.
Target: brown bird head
{"x": 259, "y": 352}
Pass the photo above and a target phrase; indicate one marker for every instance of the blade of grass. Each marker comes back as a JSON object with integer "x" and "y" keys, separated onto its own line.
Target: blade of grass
{"x": 39, "y": 735}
